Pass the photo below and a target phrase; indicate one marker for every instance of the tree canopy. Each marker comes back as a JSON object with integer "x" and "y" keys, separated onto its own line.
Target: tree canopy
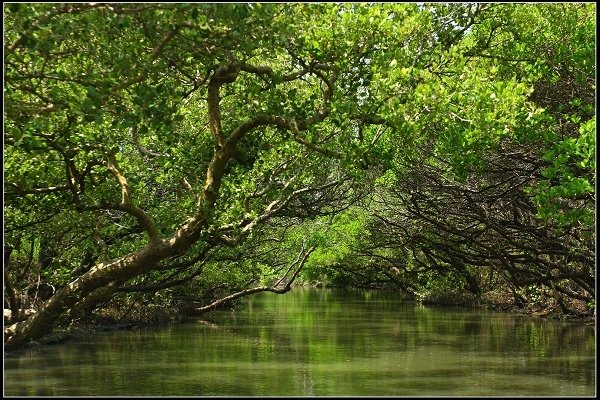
{"x": 201, "y": 152}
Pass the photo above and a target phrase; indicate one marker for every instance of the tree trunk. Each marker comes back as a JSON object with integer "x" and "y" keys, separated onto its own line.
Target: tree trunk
{"x": 101, "y": 275}
{"x": 47, "y": 254}
{"x": 12, "y": 297}
{"x": 125, "y": 267}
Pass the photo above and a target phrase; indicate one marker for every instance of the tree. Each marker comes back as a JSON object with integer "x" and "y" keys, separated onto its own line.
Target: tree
{"x": 152, "y": 145}
{"x": 500, "y": 192}
{"x": 140, "y": 137}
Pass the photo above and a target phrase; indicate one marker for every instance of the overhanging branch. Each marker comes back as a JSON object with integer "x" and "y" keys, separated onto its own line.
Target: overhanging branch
{"x": 300, "y": 261}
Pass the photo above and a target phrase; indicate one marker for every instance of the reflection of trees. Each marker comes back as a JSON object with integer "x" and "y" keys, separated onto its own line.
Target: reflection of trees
{"x": 491, "y": 333}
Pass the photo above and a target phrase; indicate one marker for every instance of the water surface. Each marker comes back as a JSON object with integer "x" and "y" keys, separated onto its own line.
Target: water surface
{"x": 320, "y": 342}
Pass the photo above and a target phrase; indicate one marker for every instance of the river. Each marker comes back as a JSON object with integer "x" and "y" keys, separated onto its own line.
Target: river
{"x": 319, "y": 342}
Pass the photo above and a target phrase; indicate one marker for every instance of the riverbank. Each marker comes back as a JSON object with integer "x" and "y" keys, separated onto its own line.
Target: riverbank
{"x": 504, "y": 301}
{"x": 499, "y": 300}
{"x": 121, "y": 316}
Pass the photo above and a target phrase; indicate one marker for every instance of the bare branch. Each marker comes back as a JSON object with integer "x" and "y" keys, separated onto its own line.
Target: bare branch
{"x": 126, "y": 205}
{"x": 290, "y": 268}
{"x": 278, "y": 205}
{"x": 112, "y": 167}
{"x": 19, "y": 191}
{"x": 142, "y": 218}
{"x": 141, "y": 148}
{"x": 275, "y": 289}
{"x": 166, "y": 39}
{"x": 265, "y": 70}
{"x": 321, "y": 150}
{"x": 165, "y": 283}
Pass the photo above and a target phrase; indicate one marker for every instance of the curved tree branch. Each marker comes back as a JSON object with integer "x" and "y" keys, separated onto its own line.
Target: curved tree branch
{"x": 300, "y": 260}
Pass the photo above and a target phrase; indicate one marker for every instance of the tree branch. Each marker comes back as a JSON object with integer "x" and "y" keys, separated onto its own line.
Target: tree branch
{"x": 142, "y": 218}
{"x": 112, "y": 167}
{"x": 221, "y": 76}
{"x": 19, "y": 191}
{"x": 141, "y": 148}
{"x": 275, "y": 289}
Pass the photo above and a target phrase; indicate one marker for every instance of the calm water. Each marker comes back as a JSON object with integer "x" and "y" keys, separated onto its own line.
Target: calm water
{"x": 320, "y": 342}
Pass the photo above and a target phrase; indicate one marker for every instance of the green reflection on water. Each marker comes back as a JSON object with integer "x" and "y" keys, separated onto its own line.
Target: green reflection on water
{"x": 320, "y": 342}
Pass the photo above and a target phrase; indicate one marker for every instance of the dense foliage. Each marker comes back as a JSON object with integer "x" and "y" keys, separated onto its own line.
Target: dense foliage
{"x": 189, "y": 154}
